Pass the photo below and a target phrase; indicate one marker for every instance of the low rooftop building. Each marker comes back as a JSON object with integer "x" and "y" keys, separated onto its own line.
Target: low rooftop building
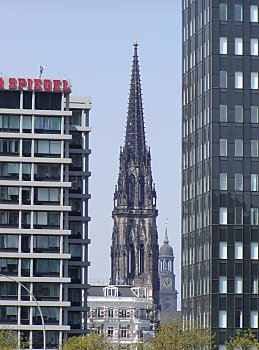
{"x": 123, "y": 313}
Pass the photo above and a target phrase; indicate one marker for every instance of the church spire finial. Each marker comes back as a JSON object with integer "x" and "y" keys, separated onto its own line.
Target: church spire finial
{"x": 136, "y": 40}
{"x": 166, "y": 241}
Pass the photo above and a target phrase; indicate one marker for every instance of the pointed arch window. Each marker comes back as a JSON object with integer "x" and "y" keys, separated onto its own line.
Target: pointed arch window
{"x": 131, "y": 261}
{"x": 141, "y": 259}
{"x": 131, "y": 193}
{"x": 141, "y": 190}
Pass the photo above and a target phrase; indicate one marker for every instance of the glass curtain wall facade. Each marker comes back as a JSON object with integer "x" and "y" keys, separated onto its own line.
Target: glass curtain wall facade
{"x": 44, "y": 149}
{"x": 220, "y": 165}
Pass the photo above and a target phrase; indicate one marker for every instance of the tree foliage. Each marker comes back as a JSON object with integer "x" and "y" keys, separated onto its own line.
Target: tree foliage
{"x": 173, "y": 335}
{"x": 245, "y": 340}
{"x": 92, "y": 341}
{"x": 8, "y": 339}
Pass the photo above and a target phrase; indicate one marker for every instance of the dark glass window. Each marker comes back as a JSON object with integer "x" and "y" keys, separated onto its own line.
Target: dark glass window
{"x": 47, "y": 171}
{"x": 27, "y": 99}
{"x": 9, "y": 194}
{"x": 10, "y": 99}
{"x": 46, "y": 267}
{"x": 50, "y": 315}
{"x": 46, "y": 291}
{"x": 238, "y": 13}
{"x": 44, "y": 243}
{"x": 48, "y": 101}
{"x": 10, "y": 170}
{"x": 223, "y": 12}
{"x": 8, "y": 314}
{"x": 8, "y": 146}
{"x": 9, "y": 267}
{"x": 10, "y": 123}
{"x": 9, "y": 243}
{"x": 47, "y": 125}
{"x": 9, "y": 290}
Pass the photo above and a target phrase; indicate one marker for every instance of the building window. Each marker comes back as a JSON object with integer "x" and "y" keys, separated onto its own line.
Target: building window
{"x": 238, "y": 13}
{"x": 254, "y": 114}
{"x": 111, "y": 291}
{"x": 223, "y": 250}
{"x": 223, "y": 12}
{"x": 223, "y": 113}
{"x": 254, "y": 47}
{"x": 47, "y": 147}
{"x": 254, "y": 80}
{"x": 239, "y": 46}
{"x": 238, "y": 216}
{"x": 254, "y": 148}
{"x": 239, "y": 182}
{"x": 254, "y": 285}
{"x": 110, "y": 332}
{"x": 223, "y": 181}
{"x": 123, "y": 332}
{"x": 223, "y": 46}
{"x": 239, "y": 80}
{"x": 110, "y": 313}
{"x": 222, "y": 319}
{"x": 223, "y": 148}
{"x": 254, "y": 216}
{"x": 223, "y": 216}
{"x": 223, "y": 79}
{"x": 239, "y": 148}
{"x": 223, "y": 284}
{"x": 239, "y": 114}
{"x": 254, "y": 319}
{"x": 10, "y": 123}
{"x": 238, "y": 285}
{"x": 238, "y": 250}
{"x": 254, "y": 13}
{"x": 254, "y": 250}
{"x": 238, "y": 319}
{"x": 254, "y": 182}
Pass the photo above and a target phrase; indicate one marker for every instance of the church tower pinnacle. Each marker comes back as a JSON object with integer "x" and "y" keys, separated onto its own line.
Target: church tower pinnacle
{"x": 134, "y": 251}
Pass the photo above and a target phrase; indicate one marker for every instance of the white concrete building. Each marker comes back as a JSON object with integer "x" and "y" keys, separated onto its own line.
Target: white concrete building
{"x": 44, "y": 149}
{"x": 123, "y": 313}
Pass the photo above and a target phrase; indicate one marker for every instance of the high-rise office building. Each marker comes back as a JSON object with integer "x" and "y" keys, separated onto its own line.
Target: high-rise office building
{"x": 44, "y": 149}
{"x": 220, "y": 165}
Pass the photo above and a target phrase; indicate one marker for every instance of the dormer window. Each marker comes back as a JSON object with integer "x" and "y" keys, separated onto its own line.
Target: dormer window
{"x": 140, "y": 292}
{"x": 110, "y": 291}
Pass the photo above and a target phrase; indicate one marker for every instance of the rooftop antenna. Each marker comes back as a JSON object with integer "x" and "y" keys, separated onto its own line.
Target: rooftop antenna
{"x": 42, "y": 68}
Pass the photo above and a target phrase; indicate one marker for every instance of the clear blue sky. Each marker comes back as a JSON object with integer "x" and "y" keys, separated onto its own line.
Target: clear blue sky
{"x": 91, "y": 43}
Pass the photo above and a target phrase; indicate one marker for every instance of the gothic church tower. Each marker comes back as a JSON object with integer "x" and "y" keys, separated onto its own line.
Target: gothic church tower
{"x": 134, "y": 251}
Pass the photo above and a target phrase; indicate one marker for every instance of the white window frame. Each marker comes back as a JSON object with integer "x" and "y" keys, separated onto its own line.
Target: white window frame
{"x": 238, "y": 80}
{"x": 222, "y": 319}
{"x": 239, "y": 46}
{"x": 223, "y": 181}
{"x": 254, "y": 13}
{"x": 223, "y": 216}
{"x": 254, "y": 250}
{"x": 223, "y": 45}
{"x": 223, "y": 250}
{"x": 223, "y": 284}
{"x": 238, "y": 250}
{"x": 254, "y": 80}
{"x": 254, "y": 47}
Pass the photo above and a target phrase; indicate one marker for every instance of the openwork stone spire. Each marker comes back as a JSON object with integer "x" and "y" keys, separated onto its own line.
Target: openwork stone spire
{"x": 135, "y": 143}
{"x": 134, "y": 251}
